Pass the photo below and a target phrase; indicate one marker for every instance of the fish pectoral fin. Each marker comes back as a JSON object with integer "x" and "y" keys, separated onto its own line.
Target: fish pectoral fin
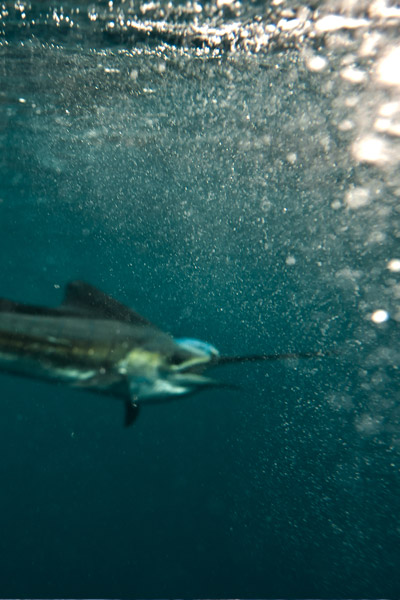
{"x": 131, "y": 412}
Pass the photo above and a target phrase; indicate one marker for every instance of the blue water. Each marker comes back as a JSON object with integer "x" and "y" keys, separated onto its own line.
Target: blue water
{"x": 217, "y": 191}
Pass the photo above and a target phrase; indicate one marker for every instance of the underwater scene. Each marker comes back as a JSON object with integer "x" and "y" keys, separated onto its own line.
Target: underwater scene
{"x": 231, "y": 171}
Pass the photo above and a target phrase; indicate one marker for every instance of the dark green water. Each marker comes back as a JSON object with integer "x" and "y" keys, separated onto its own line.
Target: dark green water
{"x": 222, "y": 194}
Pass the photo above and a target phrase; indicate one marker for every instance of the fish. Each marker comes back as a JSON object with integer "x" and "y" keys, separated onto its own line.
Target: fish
{"x": 94, "y": 343}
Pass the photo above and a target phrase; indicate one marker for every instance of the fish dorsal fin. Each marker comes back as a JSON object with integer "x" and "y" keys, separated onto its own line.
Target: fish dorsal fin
{"x": 83, "y": 299}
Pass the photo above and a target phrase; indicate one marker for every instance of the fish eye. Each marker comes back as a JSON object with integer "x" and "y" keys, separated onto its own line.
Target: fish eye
{"x": 176, "y": 359}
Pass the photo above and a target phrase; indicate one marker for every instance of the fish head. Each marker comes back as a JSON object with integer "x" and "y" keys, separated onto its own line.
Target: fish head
{"x": 152, "y": 376}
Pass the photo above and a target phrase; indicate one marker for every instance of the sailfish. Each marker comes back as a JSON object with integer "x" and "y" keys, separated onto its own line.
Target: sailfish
{"x": 93, "y": 342}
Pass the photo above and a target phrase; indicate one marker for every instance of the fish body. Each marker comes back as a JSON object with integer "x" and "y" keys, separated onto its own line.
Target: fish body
{"x": 95, "y": 343}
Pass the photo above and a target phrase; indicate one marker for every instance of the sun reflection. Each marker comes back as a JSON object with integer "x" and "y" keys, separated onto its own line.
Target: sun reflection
{"x": 370, "y": 149}
{"x": 388, "y": 72}
{"x": 394, "y": 265}
{"x": 380, "y": 316}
